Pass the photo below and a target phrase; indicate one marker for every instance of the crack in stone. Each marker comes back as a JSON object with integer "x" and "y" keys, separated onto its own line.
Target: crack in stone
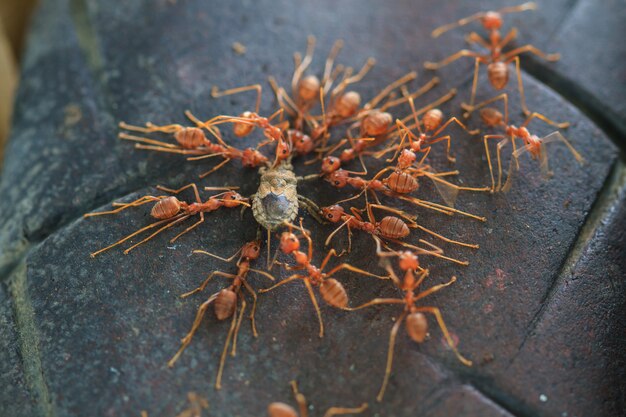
{"x": 598, "y": 212}
{"x": 29, "y": 341}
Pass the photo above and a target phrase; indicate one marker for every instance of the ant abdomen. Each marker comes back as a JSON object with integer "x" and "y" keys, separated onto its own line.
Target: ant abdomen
{"x": 225, "y": 304}
{"x": 334, "y": 293}
{"x": 393, "y": 228}
{"x": 402, "y": 183}
{"x": 417, "y": 326}
{"x": 190, "y": 137}
{"x": 498, "y": 73}
{"x": 166, "y": 208}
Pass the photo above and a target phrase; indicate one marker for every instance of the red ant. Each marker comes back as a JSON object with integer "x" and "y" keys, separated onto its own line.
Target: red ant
{"x": 193, "y": 141}
{"x": 225, "y": 302}
{"x": 497, "y": 62}
{"x": 390, "y": 228}
{"x": 278, "y": 409}
{"x": 416, "y": 322}
{"x": 340, "y": 178}
{"x": 330, "y": 289}
{"x": 403, "y": 179}
{"x": 170, "y": 211}
{"x": 532, "y": 143}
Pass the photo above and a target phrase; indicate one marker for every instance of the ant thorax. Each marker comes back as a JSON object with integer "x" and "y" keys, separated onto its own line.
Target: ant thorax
{"x": 276, "y": 200}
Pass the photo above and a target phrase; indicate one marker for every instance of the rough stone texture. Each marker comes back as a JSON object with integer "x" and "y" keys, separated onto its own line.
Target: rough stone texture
{"x": 107, "y": 326}
{"x": 15, "y": 399}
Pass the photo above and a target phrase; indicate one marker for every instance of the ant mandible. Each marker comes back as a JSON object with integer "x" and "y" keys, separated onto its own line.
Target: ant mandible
{"x": 226, "y": 301}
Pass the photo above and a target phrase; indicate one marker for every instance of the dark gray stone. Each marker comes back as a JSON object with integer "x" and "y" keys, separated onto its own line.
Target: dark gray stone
{"x": 107, "y": 326}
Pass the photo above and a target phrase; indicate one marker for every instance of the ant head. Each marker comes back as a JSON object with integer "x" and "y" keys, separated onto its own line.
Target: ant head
{"x": 492, "y": 20}
{"x": 251, "y": 250}
{"x": 406, "y": 158}
{"x": 333, "y": 213}
{"x": 232, "y": 199}
{"x": 408, "y": 260}
{"x": 491, "y": 117}
{"x": 283, "y": 150}
{"x": 289, "y": 242}
{"x": 330, "y": 164}
{"x": 303, "y": 143}
{"x": 432, "y": 119}
{"x": 338, "y": 178}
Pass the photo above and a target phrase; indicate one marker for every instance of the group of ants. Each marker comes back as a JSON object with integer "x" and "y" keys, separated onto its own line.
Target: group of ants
{"x": 371, "y": 132}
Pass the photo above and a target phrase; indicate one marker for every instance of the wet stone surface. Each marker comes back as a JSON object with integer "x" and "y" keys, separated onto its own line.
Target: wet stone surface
{"x": 106, "y": 327}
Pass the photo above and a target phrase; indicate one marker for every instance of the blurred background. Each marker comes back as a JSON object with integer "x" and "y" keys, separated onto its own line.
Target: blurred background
{"x": 14, "y": 18}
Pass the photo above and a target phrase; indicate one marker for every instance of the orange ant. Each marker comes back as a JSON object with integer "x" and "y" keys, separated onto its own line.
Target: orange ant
{"x": 390, "y": 228}
{"x": 403, "y": 179}
{"x": 416, "y": 322}
{"x": 278, "y": 409}
{"x": 193, "y": 141}
{"x": 330, "y": 289}
{"x": 225, "y": 302}
{"x": 532, "y": 143}
{"x": 170, "y": 211}
{"x": 496, "y": 61}
{"x": 428, "y": 136}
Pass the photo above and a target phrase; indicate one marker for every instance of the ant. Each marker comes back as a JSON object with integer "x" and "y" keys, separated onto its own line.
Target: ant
{"x": 339, "y": 178}
{"x": 532, "y": 143}
{"x": 390, "y": 228}
{"x": 403, "y": 179}
{"x": 193, "y": 141}
{"x": 416, "y": 322}
{"x": 428, "y": 136}
{"x": 278, "y": 409}
{"x": 330, "y": 289}
{"x": 169, "y": 211}
{"x": 225, "y": 302}
{"x": 496, "y": 61}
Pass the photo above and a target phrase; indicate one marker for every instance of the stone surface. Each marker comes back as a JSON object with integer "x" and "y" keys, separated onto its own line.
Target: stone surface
{"x": 15, "y": 398}
{"x": 107, "y": 326}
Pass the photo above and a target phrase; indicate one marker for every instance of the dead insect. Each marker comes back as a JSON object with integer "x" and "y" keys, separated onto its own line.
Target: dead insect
{"x": 416, "y": 322}
{"x": 497, "y": 61}
{"x": 330, "y": 289}
{"x": 226, "y": 302}
{"x": 278, "y": 409}
{"x": 169, "y": 211}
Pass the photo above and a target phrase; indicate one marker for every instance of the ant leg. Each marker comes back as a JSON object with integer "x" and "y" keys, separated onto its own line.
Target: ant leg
{"x": 463, "y": 52}
{"x": 375, "y": 302}
{"x": 193, "y": 226}
{"x": 229, "y": 336}
{"x": 437, "y": 313}
{"x": 507, "y": 39}
{"x": 178, "y": 191}
{"x": 392, "y": 343}
{"x": 300, "y": 399}
{"x": 353, "y": 269}
{"x": 215, "y": 168}
{"x": 151, "y": 128}
{"x": 283, "y": 282}
{"x": 445, "y": 239}
{"x": 435, "y": 288}
{"x": 330, "y": 236}
{"x": 474, "y": 37}
{"x": 158, "y": 143}
{"x": 203, "y": 252}
{"x": 469, "y": 108}
{"x": 543, "y": 118}
{"x": 520, "y": 86}
{"x": 448, "y": 139}
{"x": 143, "y": 229}
{"x": 307, "y": 283}
{"x": 408, "y": 97}
{"x": 302, "y": 65}
{"x": 174, "y": 222}
{"x": 242, "y": 310}
{"x": 499, "y": 147}
{"x": 504, "y": 97}
{"x": 462, "y": 22}
{"x": 215, "y": 92}
{"x": 388, "y": 89}
{"x": 446, "y": 97}
{"x": 123, "y": 206}
{"x": 429, "y": 252}
{"x": 330, "y": 60}
{"x": 206, "y": 281}
{"x": 253, "y": 311}
{"x": 485, "y": 138}
{"x": 335, "y": 411}
{"x": 194, "y": 327}
{"x": 459, "y": 123}
{"x": 533, "y": 50}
